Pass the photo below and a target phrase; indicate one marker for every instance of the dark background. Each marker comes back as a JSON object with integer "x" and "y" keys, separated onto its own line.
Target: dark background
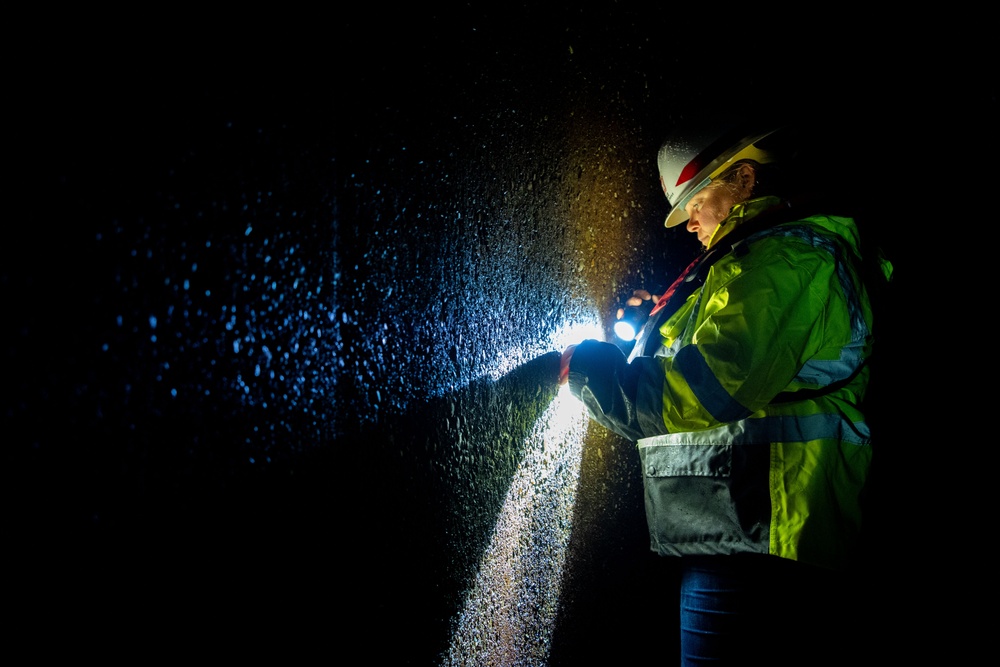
{"x": 280, "y": 300}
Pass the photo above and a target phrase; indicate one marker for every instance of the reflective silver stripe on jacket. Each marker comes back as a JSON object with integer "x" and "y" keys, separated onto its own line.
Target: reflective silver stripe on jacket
{"x": 760, "y": 430}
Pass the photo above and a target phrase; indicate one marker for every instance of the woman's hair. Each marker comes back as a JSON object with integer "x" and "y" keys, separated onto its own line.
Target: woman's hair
{"x": 769, "y": 179}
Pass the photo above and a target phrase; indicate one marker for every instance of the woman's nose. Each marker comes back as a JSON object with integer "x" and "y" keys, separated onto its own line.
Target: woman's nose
{"x": 692, "y": 224}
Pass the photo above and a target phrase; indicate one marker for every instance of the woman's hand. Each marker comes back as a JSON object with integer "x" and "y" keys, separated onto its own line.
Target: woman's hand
{"x": 637, "y": 298}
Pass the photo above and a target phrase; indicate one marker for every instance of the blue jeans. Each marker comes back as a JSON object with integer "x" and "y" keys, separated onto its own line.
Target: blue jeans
{"x": 750, "y": 609}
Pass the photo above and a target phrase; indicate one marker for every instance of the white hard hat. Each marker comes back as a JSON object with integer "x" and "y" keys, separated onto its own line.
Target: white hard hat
{"x": 689, "y": 163}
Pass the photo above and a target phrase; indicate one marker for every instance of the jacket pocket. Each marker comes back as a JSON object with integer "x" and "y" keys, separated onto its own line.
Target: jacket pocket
{"x": 706, "y": 498}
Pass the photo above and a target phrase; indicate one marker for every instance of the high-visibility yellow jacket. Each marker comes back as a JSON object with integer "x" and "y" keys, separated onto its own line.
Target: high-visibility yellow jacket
{"x": 746, "y": 401}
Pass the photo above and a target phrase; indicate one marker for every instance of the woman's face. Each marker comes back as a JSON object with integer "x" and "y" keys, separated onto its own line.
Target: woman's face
{"x": 708, "y": 208}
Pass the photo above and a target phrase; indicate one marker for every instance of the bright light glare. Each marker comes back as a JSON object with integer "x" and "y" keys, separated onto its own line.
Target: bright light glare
{"x": 510, "y": 613}
{"x": 571, "y": 334}
{"x": 624, "y": 330}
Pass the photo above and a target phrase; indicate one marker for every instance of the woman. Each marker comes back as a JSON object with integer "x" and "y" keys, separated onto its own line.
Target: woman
{"x": 744, "y": 394}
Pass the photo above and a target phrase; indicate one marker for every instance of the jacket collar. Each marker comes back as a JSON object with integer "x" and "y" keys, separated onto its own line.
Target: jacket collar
{"x": 741, "y": 213}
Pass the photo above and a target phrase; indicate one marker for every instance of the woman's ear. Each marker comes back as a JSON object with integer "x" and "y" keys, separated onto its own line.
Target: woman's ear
{"x": 746, "y": 178}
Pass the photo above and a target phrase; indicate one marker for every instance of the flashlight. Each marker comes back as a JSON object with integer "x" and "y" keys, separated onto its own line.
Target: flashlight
{"x": 631, "y": 321}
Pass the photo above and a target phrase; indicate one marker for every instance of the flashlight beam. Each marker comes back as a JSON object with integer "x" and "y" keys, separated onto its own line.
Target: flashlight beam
{"x": 510, "y": 612}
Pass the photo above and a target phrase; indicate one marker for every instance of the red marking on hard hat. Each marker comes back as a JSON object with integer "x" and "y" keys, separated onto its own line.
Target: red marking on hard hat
{"x": 690, "y": 170}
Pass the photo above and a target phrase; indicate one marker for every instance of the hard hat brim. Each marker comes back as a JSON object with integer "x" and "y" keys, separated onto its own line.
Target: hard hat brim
{"x": 677, "y": 216}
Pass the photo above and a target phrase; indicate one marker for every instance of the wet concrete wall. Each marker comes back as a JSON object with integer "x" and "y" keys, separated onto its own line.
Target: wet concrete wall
{"x": 284, "y": 323}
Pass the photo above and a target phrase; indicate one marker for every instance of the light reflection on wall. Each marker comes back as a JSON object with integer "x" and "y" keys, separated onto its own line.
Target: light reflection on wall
{"x": 512, "y": 605}
{"x": 571, "y": 334}
{"x": 510, "y": 612}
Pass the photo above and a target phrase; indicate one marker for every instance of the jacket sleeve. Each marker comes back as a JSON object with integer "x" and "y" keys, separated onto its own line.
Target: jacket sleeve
{"x": 612, "y": 388}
